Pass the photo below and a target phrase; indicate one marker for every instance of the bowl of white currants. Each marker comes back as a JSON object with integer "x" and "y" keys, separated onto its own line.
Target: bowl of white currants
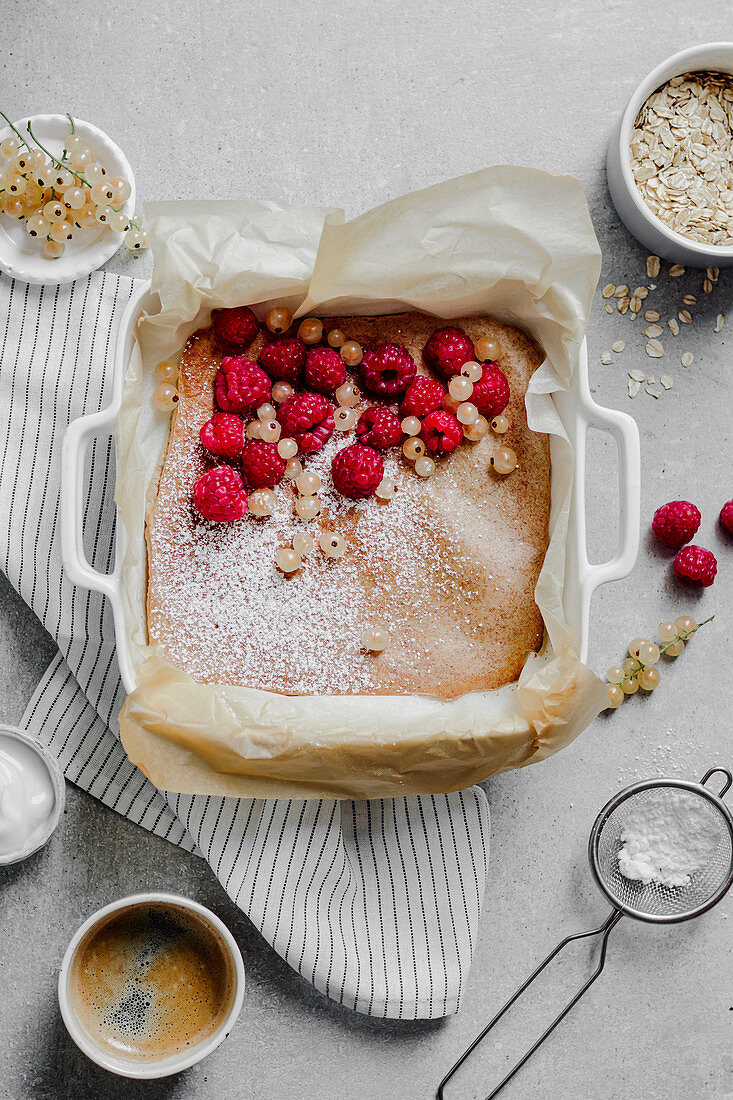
{"x": 67, "y": 199}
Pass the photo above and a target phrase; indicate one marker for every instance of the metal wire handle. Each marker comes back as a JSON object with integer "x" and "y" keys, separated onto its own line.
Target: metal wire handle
{"x": 604, "y": 930}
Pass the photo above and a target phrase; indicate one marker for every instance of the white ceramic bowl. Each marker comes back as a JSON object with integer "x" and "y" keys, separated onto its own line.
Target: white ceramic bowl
{"x": 631, "y": 208}
{"x": 162, "y": 1067}
{"x": 59, "y": 790}
{"x": 20, "y": 255}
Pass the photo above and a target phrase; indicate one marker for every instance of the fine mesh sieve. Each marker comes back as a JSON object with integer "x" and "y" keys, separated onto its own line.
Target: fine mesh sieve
{"x": 654, "y": 901}
{"x": 703, "y": 883}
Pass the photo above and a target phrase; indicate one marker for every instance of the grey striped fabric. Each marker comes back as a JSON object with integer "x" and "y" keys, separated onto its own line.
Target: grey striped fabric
{"x": 375, "y": 903}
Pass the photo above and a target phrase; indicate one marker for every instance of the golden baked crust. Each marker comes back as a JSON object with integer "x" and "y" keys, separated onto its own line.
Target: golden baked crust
{"x": 449, "y": 565}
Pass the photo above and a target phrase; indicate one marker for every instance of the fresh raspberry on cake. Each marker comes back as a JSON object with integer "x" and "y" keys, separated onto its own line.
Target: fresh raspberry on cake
{"x": 262, "y": 464}
{"x": 220, "y": 495}
{"x": 236, "y": 326}
{"x": 357, "y": 470}
{"x": 308, "y": 419}
{"x": 447, "y": 350}
{"x": 491, "y": 393}
{"x": 441, "y": 432}
{"x": 379, "y": 427}
{"x": 676, "y": 523}
{"x": 241, "y": 385}
{"x": 388, "y": 370}
{"x": 695, "y": 566}
{"x": 324, "y": 370}
{"x": 223, "y": 435}
{"x": 726, "y": 517}
{"x": 423, "y": 396}
{"x": 284, "y": 359}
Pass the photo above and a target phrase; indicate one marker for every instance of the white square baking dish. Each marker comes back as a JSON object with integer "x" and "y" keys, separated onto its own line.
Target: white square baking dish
{"x": 576, "y": 409}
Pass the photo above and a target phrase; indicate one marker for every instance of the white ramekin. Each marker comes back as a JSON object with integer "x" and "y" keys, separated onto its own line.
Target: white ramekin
{"x": 59, "y": 790}
{"x": 163, "y": 1067}
{"x": 631, "y": 208}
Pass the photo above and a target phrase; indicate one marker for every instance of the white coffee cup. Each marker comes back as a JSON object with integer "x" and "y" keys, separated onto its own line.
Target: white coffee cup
{"x": 70, "y": 1000}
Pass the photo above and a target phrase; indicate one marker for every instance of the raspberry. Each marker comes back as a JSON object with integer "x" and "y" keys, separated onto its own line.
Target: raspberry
{"x": 491, "y": 392}
{"x": 223, "y": 435}
{"x": 262, "y": 464}
{"x": 695, "y": 566}
{"x": 220, "y": 495}
{"x": 447, "y": 350}
{"x": 676, "y": 523}
{"x": 389, "y": 370}
{"x": 308, "y": 419}
{"x": 726, "y": 517}
{"x": 441, "y": 432}
{"x": 423, "y": 396}
{"x": 357, "y": 470}
{"x": 236, "y": 326}
{"x": 324, "y": 370}
{"x": 241, "y": 385}
{"x": 379, "y": 427}
{"x": 284, "y": 359}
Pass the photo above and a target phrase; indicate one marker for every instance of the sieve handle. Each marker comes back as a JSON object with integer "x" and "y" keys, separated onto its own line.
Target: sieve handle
{"x": 604, "y": 931}
{"x": 722, "y": 771}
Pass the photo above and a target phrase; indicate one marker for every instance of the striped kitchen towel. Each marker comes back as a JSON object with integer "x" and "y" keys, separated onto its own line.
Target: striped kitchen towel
{"x": 375, "y": 903}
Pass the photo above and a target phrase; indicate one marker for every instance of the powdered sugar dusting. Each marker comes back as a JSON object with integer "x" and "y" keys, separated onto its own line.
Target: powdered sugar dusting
{"x": 309, "y": 624}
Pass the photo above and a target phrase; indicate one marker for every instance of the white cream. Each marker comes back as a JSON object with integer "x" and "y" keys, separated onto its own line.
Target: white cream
{"x": 27, "y": 798}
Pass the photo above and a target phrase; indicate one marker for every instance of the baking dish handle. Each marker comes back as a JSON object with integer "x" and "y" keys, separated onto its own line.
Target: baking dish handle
{"x": 624, "y": 430}
{"x": 79, "y": 434}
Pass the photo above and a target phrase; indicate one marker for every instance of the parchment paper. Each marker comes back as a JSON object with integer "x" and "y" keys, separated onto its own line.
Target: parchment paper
{"x": 512, "y": 242}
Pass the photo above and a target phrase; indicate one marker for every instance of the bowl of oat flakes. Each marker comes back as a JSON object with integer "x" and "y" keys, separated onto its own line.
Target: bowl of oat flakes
{"x": 670, "y": 159}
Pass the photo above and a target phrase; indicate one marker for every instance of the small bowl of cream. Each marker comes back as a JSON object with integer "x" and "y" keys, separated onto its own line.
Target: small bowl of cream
{"x": 32, "y": 795}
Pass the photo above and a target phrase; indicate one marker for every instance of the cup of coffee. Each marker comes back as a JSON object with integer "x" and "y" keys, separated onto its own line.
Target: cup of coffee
{"x": 150, "y": 985}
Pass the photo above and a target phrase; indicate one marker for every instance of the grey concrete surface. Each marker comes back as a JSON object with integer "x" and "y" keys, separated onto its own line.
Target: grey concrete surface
{"x": 351, "y": 104}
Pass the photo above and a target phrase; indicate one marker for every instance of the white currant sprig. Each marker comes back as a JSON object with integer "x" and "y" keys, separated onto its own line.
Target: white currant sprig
{"x": 638, "y": 669}
{"x": 78, "y": 198}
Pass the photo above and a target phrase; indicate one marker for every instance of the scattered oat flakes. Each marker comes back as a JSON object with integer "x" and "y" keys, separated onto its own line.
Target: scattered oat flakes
{"x": 676, "y": 270}
{"x": 653, "y": 264}
{"x": 654, "y": 349}
{"x": 652, "y": 393}
{"x": 619, "y": 345}
{"x": 635, "y": 304}
{"x": 623, "y": 305}
{"x": 719, "y": 322}
{"x": 650, "y": 380}
{"x": 637, "y": 375}
{"x": 651, "y": 315}
{"x": 689, "y": 299}
{"x": 606, "y": 358}
{"x": 634, "y": 387}
{"x": 707, "y": 286}
{"x": 608, "y": 290}
{"x": 666, "y": 381}
{"x": 640, "y": 292}
{"x": 609, "y": 307}
{"x": 653, "y": 330}
{"x": 621, "y": 291}
{"x": 712, "y": 274}
{"x": 687, "y": 359}
{"x": 685, "y": 316}
{"x": 674, "y": 327}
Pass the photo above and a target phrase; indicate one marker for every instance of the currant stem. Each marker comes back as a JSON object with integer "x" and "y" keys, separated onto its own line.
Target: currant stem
{"x": 15, "y": 130}
{"x": 55, "y": 160}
